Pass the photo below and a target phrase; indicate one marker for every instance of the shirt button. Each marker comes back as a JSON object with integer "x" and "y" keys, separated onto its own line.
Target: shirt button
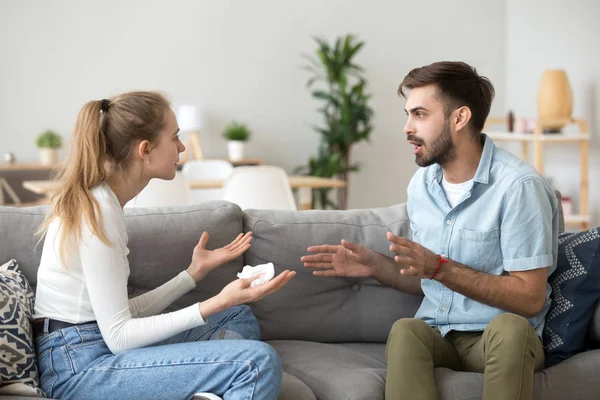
{"x": 448, "y": 221}
{"x": 356, "y": 287}
{"x": 443, "y": 308}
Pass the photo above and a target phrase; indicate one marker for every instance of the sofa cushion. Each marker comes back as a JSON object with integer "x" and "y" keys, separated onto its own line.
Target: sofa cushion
{"x": 18, "y": 367}
{"x": 357, "y": 371}
{"x": 17, "y": 230}
{"x": 575, "y": 289}
{"x": 575, "y": 378}
{"x": 326, "y": 309}
{"x": 161, "y": 241}
{"x": 336, "y": 371}
{"x": 293, "y": 388}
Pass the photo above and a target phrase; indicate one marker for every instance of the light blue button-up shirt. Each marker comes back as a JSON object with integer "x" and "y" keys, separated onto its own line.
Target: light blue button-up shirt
{"x": 508, "y": 221}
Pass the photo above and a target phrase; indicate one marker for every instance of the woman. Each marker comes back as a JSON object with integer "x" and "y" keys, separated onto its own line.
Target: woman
{"x": 94, "y": 342}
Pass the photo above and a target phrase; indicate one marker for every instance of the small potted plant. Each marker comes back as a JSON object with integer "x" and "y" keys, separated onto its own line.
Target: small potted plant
{"x": 236, "y": 136}
{"x": 49, "y": 142}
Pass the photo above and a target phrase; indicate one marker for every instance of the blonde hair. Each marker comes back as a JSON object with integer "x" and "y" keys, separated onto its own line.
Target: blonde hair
{"x": 106, "y": 134}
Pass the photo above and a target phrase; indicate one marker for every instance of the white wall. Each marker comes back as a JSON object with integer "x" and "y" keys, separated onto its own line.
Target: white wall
{"x": 545, "y": 34}
{"x": 241, "y": 60}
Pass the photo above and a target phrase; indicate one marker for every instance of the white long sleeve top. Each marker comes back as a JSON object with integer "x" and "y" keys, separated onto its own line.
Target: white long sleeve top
{"x": 93, "y": 285}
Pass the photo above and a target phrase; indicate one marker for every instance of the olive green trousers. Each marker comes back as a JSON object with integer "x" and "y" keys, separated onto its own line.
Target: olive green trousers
{"x": 508, "y": 352}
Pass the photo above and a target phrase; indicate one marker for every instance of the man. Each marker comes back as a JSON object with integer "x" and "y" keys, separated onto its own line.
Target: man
{"x": 484, "y": 242}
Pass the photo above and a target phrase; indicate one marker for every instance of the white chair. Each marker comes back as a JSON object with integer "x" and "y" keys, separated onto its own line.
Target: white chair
{"x": 163, "y": 193}
{"x": 261, "y": 187}
{"x": 206, "y": 169}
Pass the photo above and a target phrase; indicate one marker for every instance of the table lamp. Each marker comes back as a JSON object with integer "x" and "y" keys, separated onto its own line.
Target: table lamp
{"x": 190, "y": 120}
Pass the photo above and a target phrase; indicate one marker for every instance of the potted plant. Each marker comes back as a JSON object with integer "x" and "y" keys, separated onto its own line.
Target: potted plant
{"x": 344, "y": 104}
{"x": 236, "y": 136}
{"x": 49, "y": 142}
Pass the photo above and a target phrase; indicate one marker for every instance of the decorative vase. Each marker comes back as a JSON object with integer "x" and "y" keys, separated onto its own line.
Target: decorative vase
{"x": 48, "y": 156}
{"x": 555, "y": 99}
{"x": 236, "y": 149}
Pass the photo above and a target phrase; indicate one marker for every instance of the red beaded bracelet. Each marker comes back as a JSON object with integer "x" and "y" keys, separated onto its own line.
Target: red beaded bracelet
{"x": 441, "y": 260}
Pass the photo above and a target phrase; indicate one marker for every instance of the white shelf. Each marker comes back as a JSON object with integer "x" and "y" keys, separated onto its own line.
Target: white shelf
{"x": 576, "y": 219}
{"x": 545, "y": 137}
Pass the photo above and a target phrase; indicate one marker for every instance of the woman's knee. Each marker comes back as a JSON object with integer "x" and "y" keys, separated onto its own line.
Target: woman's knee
{"x": 251, "y": 322}
{"x": 268, "y": 353}
{"x": 267, "y": 360}
{"x": 242, "y": 320}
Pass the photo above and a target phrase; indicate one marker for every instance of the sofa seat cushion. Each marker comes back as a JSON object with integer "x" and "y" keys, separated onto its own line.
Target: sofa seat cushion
{"x": 349, "y": 371}
{"x": 293, "y": 388}
{"x": 336, "y": 371}
{"x": 575, "y": 378}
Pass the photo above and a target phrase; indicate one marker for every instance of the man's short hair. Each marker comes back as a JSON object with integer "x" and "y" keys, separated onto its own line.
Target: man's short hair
{"x": 458, "y": 84}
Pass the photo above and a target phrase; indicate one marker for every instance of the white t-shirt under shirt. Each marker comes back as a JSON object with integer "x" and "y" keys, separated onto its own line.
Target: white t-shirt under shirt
{"x": 456, "y": 191}
{"x": 93, "y": 285}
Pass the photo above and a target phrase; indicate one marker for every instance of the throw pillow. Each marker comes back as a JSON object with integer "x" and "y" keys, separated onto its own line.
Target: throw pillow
{"x": 18, "y": 367}
{"x": 575, "y": 288}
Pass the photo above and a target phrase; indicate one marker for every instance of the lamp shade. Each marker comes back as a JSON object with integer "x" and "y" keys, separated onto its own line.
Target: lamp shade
{"x": 189, "y": 118}
{"x": 555, "y": 99}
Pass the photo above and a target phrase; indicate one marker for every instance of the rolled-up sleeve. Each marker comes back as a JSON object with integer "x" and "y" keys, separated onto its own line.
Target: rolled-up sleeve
{"x": 528, "y": 231}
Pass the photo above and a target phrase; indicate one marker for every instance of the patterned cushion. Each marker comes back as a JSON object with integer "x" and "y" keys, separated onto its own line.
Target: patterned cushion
{"x": 575, "y": 289}
{"x": 18, "y": 368}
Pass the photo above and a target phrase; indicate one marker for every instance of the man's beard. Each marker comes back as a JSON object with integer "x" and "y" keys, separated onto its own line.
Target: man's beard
{"x": 441, "y": 150}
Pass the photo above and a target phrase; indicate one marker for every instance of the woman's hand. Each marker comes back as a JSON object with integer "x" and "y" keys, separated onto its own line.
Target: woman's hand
{"x": 204, "y": 261}
{"x": 239, "y": 291}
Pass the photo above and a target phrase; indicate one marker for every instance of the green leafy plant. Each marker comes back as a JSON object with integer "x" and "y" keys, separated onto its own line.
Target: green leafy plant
{"x": 49, "y": 139}
{"x": 345, "y": 110}
{"x": 237, "y": 132}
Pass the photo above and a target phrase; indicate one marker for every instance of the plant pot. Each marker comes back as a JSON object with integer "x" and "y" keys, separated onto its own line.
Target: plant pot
{"x": 48, "y": 156}
{"x": 555, "y": 99}
{"x": 236, "y": 150}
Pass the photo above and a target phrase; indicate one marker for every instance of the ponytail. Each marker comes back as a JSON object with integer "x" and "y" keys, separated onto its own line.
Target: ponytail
{"x": 82, "y": 170}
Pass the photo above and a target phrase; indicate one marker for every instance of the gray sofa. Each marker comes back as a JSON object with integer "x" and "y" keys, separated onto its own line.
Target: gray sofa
{"x": 329, "y": 332}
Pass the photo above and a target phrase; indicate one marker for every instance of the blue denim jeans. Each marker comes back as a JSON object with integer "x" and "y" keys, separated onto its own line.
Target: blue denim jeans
{"x": 75, "y": 363}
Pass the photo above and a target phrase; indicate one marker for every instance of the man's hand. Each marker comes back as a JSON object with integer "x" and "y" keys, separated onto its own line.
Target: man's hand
{"x": 204, "y": 261}
{"x": 421, "y": 262}
{"x": 346, "y": 260}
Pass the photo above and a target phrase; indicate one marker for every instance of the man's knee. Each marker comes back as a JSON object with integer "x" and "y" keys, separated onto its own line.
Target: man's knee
{"x": 407, "y": 328}
{"x": 407, "y": 336}
{"x": 511, "y": 328}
